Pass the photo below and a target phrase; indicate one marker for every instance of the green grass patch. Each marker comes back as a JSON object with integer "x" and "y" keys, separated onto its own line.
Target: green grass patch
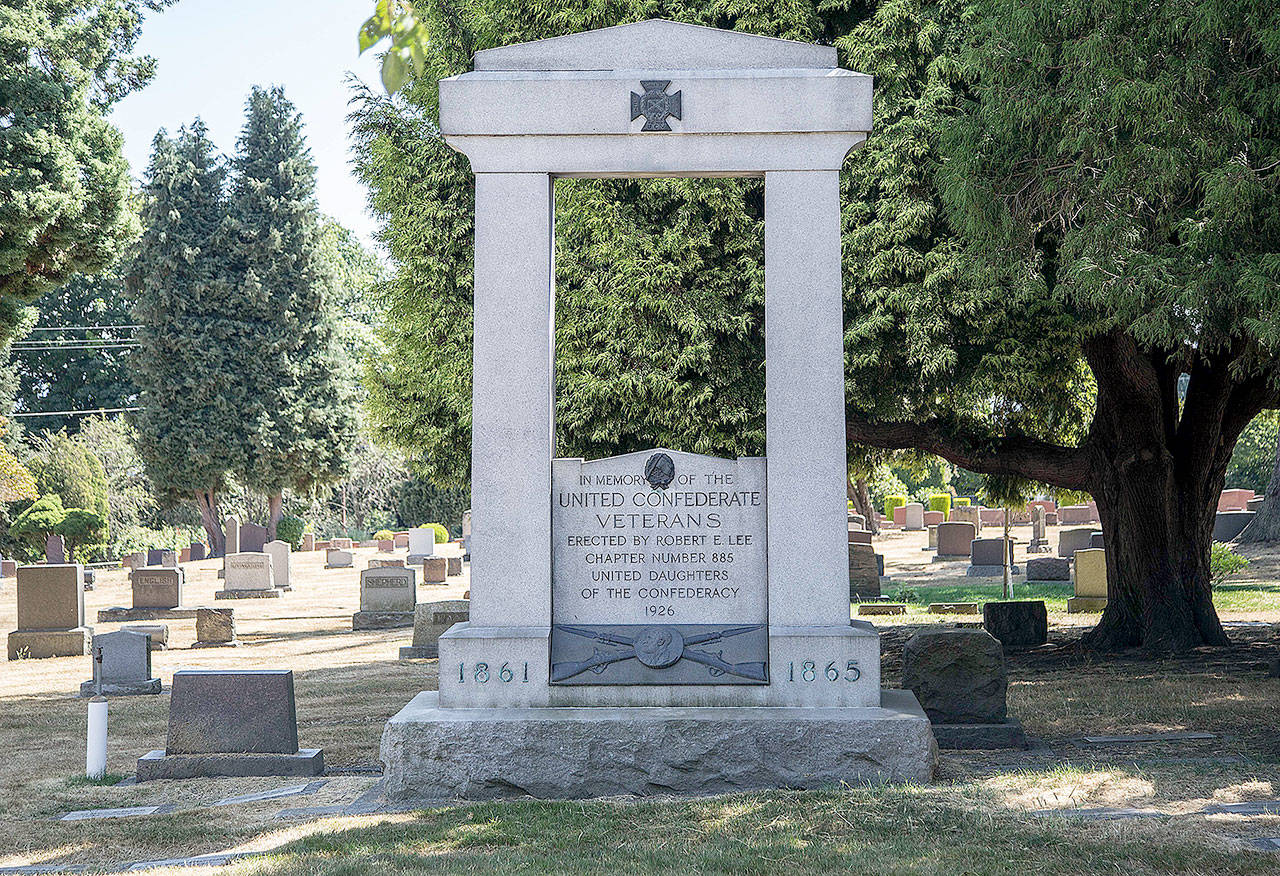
{"x": 1246, "y": 597}
{"x": 991, "y": 590}
{"x": 880, "y": 829}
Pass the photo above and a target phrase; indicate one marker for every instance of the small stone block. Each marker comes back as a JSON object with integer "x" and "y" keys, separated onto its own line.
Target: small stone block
{"x": 121, "y": 688}
{"x": 381, "y": 620}
{"x": 1048, "y": 569}
{"x": 455, "y": 566}
{"x": 33, "y": 644}
{"x": 246, "y": 594}
{"x": 118, "y": 812}
{"x": 959, "y": 737}
{"x": 434, "y": 570}
{"x": 215, "y": 626}
{"x": 955, "y": 608}
{"x": 336, "y": 558}
{"x": 159, "y": 634}
{"x": 870, "y": 608}
{"x": 1017, "y": 624}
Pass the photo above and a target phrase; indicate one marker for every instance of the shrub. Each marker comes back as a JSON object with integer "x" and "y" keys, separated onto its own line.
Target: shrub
{"x": 385, "y": 535}
{"x": 961, "y": 501}
{"x": 442, "y": 534}
{"x": 34, "y": 525}
{"x": 891, "y": 502}
{"x": 81, "y": 527}
{"x": 940, "y": 502}
{"x": 1224, "y": 562}
{"x": 290, "y": 529}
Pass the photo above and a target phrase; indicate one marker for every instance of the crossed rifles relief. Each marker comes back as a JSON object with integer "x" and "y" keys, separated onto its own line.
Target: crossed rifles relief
{"x": 657, "y": 647}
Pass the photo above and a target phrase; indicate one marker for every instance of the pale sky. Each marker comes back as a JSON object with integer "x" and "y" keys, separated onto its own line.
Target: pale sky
{"x": 210, "y": 52}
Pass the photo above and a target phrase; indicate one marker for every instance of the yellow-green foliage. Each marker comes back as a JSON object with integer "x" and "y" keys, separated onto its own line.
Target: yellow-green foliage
{"x": 940, "y": 502}
{"x": 891, "y": 502}
{"x": 961, "y": 501}
{"x": 442, "y": 534}
{"x": 384, "y": 535}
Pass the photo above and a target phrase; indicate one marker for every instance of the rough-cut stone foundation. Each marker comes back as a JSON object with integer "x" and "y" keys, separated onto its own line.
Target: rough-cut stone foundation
{"x": 434, "y": 753}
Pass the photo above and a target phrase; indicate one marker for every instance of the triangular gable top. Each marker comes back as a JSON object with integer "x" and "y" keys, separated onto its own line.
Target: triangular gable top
{"x": 657, "y": 44}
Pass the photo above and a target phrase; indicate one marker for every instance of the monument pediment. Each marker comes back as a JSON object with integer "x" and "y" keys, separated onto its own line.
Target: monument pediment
{"x": 657, "y": 44}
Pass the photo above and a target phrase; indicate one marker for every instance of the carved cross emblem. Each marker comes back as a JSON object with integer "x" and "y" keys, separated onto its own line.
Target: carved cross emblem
{"x": 655, "y": 105}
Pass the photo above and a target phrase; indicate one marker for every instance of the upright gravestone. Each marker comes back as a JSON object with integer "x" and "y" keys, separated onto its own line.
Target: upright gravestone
{"x": 231, "y": 723}
{"x": 55, "y": 550}
{"x": 281, "y": 553}
{"x": 955, "y": 540}
{"x": 121, "y": 665}
{"x": 308, "y": 541}
{"x": 466, "y": 533}
{"x": 967, "y": 514}
{"x": 1072, "y": 540}
{"x": 50, "y": 613}
{"x": 198, "y": 551}
{"x": 627, "y": 615}
{"x": 422, "y": 544}
{"x": 157, "y": 587}
{"x": 335, "y": 558}
{"x": 986, "y": 560}
{"x": 233, "y": 535}
{"x": 913, "y": 517}
{"x": 430, "y": 621}
{"x": 253, "y": 537}
{"x": 1039, "y": 544}
{"x": 215, "y": 628}
{"x": 1090, "y": 581}
{"x": 248, "y": 576}
{"x": 388, "y": 595}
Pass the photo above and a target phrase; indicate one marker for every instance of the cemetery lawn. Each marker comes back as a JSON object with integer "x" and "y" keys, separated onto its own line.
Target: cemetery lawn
{"x": 980, "y": 816}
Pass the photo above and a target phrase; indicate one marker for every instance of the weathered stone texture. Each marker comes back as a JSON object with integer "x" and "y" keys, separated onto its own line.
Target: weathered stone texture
{"x": 959, "y": 676}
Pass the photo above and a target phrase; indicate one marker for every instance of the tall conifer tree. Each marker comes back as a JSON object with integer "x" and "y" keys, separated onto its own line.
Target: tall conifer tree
{"x": 188, "y": 364}
{"x": 300, "y": 419}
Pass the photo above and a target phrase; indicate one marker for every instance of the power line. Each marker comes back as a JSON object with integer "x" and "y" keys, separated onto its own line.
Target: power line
{"x": 81, "y": 328}
{"x": 73, "y": 413}
{"x": 73, "y": 345}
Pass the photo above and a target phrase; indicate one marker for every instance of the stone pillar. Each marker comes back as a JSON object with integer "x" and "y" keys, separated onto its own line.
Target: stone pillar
{"x": 512, "y": 406}
{"x": 804, "y": 397}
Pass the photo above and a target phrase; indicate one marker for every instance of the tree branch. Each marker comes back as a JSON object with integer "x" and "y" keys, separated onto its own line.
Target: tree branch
{"x": 1015, "y": 456}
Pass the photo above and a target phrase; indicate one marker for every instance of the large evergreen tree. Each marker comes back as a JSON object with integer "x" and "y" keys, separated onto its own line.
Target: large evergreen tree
{"x": 65, "y": 206}
{"x": 299, "y": 420}
{"x": 190, "y": 368}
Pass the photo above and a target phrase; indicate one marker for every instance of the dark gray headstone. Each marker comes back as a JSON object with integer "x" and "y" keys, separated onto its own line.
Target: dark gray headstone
{"x": 122, "y": 657}
{"x": 155, "y": 556}
{"x": 1095, "y": 540}
{"x": 1022, "y": 624}
{"x": 198, "y": 550}
{"x": 1228, "y": 524}
{"x": 157, "y": 587}
{"x": 232, "y": 711}
{"x": 1048, "y": 569}
{"x": 253, "y": 538}
{"x": 986, "y": 551}
{"x": 55, "y": 551}
{"x": 959, "y": 676}
{"x": 864, "y": 581}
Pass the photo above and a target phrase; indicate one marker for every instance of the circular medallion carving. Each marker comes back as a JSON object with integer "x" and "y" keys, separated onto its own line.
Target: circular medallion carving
{"x": 659, "y": 647}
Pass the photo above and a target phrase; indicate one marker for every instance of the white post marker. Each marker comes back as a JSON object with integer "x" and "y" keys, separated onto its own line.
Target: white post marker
{"x": 95, "y": 755}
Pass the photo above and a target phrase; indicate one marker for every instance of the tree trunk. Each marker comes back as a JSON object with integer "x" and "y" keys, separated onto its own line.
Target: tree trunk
{"x": 275, "y": 506}
{"x": 860, "y": 496}
{"x": 1266, "y": 525}
{"x": 1004, "y": 557}
{"x": 210, "y": 516}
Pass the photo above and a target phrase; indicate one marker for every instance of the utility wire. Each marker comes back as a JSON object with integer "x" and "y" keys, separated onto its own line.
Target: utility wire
{"x": 73, "y": 413}
{"x": 80, "y": 328}
{"x": 105, "y": 345}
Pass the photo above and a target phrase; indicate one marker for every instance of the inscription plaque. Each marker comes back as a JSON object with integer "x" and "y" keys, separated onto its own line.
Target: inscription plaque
{"x": 659, "y": 570}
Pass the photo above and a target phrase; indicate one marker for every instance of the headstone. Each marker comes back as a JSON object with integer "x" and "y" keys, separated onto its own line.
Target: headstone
{"x": 50, "y": 613}
{"x": 991, "y": 516}
{"x": 184, "y": 556}
{"x": 387, "y": 597}
{"x": 386, "y": 562}
{"x": 231, "y": 723}
{"x": 1048, "y": 505}
{"x": 864, "y": 579}
{"x": 434, "y": 569}
{"x": 933, "y": 518}
{"x": 955, "y": 540}
{"x": 342, "y": 544}
{"x": 159, "y": 634}
{"x": 961, "y": 680}
{"x": 967, "y": 514}
{"x": 157, "y": 587}
{"x": 55, "y": 550}
{"x": 955, "y": 608}
{"x": 1229, "y": 524}
{"x": 1039, "y": 543}
{"x": 322, "y": 545}
{"x": 1042, "y": 569}
{"x": 8, "y": 568}
{"x": 1234, "y": 500}
{"x": 215, "y": 628}
{"x": 454, "y": 566}
{"x": 859, "y": 536}
{"x": 1090, "y": 581}
{"x": 121, "y": 665}
{"x": 913, "y": 517}
{"x": 986, "y": 557}
{"x": 881, "y": 608}
{"x": 308, "y": 541}
{"x": 338, "y": 559}
{"x": 155, "y": 556}
{"x": 281, "y": 553}
{"x": 1074, "y": 515}
{"x": 1255, "y": 504}
{"x": 248, "y": 575}
{"x": 135, "y": 560}
{"x": 233, "y": 535}
{"x": 932, "y": 544}
{"x": 1072, "y": 540}
{"x": 386, "y": 545}
{"x": 422, "y": 543}
{"x": 1051, "y": 518}
{"x": 90, "y": 579}
{"x": 666, "y": 636}
{"x": 253, "y": 538}
{"x": 401, "y": 540}
{"x": 198, "y": 551}
{"x": 1017, "y": 624}
{"x": 430, "y": 621}
{"x": 1096, "y": 540}
{"x": 857, "y": 521}
{"x": 900, "y": 516}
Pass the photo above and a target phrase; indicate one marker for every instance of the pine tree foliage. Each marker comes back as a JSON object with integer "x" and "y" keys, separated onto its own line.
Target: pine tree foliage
{"x": 190, "y": 369}
{"x": 299, "y": 416}
{"x": 66, "y": 185}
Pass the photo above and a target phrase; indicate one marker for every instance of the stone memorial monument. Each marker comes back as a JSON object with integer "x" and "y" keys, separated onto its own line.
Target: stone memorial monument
{"x": 158, "y": 587}
{"x": 422, "y": 544}
{"x": 388, "y": 595}
{"x": 121, "y": 665}
{"x": 233, "y": 535}
{"x": 281, "y": 553}
{"x": 630, "y": 629}
{"x": 215, "y": 628}
{"x": 430, "y": 621}
{"x": 1090, "y": 581}
{"x": 231, "y": 723}
{"x": 335, "y": 558}
{"x": 50, "y": 613}
{"x": 248, "y": 576}
{"x": 253, "y": 538}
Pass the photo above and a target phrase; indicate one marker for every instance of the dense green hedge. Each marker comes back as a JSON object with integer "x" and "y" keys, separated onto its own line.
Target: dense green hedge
{"x": 891, "y": 502}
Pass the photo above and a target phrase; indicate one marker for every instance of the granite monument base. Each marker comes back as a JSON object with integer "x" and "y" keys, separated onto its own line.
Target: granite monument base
{"x": 158, "y": 765}
{"x": 121, "y": 688}
{"x": 31, "y": 644}
{"x": 431, "y": 753}
{"x": 959, "y": 737}
{"x": 273, "y": 593}
{"x": 381, "y": 620}
{"x": 412, "y": 652}
{"x": 1076, "y": 604}
{"x": 120, "y": 614}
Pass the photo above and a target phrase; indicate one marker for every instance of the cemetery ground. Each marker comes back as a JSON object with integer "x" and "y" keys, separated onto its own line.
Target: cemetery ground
{"x": 1066, "y": 805}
